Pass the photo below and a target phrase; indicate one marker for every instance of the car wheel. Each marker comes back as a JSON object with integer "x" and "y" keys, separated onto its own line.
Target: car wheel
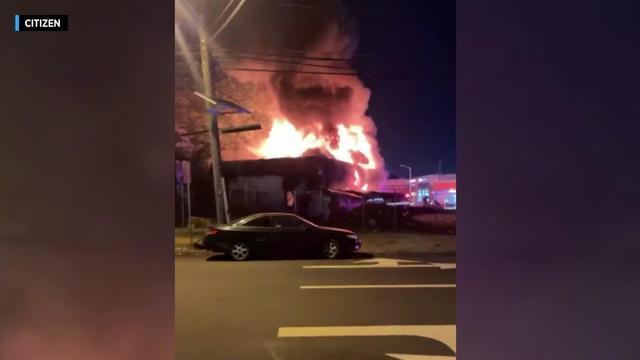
{"x": 238, "y": 251}
{"x": 331, "y": 249}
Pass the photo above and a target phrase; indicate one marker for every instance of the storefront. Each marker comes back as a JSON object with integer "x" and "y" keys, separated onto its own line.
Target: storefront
{"x": 437, "y": 190}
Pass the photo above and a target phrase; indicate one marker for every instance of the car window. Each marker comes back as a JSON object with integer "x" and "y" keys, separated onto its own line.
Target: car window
{"x": 288, "y": 221}
{"x": 264, "y": 221}
{"x": 242, "y": 220}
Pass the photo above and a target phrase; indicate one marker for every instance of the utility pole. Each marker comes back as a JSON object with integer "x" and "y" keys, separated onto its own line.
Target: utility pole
{"x": 186, "y": 175}
{"x": 231, "y": 108}
{"x": 222, "y": 107}
{"x": 410, "y": 184}
{"x": 212, "y": 118}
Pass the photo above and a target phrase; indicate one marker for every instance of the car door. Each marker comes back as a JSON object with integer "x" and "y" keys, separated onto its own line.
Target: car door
{"x": 290, "y": 233}
{"x": 259, "y": 232}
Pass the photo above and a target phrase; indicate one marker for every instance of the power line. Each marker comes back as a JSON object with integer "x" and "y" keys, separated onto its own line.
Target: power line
{"x": 278, "y": 61}
{"x": 225, "y": 52}
{"x": 223, "y": 12}
{"x": 224, "y": 25}
{"x": 303, "y": 51}
{"x": 296, "y": 5}
{"x": 291, "y": 71}
{"x": 386, "y": 76}
{"x": 301, "y": 57}
{"x": 364, "y": 57}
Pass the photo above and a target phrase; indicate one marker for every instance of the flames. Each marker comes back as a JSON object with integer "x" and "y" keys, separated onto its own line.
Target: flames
{"x": 319, "y": 113}
{"x": 349, "y": 143}
{"x": 285, "y": 140}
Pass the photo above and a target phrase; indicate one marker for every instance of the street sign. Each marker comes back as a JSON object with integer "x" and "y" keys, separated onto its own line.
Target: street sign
{"x": 290, "y": 199}
{"x": 186, "y": 172}
{"x": 179, "y": 172}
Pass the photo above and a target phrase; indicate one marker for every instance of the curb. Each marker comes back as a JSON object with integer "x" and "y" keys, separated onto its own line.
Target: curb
{"x": 182, "y": 251}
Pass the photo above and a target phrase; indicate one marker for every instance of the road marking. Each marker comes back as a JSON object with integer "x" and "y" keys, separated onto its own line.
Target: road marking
{"x": 443, "y": 333}
{"x": 419, "y": 357}
{"x": 390, "y": 286}
{"x": 384, "y": 263}
{"x": 445, "y": 266}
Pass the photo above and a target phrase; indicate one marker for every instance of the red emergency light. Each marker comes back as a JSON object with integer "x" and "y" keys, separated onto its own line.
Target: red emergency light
{"x": 443, "y": 185}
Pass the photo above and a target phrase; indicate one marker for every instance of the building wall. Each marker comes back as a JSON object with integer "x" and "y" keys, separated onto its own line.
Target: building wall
{"x": 251, "y": 194}
{"x": 437, "y": 186}
{"x": 396, "y": 185}
{"x": 262, "y": 185}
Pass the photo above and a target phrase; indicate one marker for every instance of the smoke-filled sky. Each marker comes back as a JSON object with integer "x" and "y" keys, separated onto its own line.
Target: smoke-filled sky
{"x": 411, "y": 74}
{"x": 403, "y": 52}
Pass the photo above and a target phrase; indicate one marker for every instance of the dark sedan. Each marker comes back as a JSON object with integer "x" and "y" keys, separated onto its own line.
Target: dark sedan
{"x": 279, "y": 232}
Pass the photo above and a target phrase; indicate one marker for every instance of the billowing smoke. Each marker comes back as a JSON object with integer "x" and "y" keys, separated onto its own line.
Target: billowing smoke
{"x": 328, "y": 99}
{"x": 309, "y": 98}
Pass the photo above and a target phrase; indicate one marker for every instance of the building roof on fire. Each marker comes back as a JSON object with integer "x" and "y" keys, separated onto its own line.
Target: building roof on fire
{"x": 347, "y": 193}
{"x": 312, "y": 165}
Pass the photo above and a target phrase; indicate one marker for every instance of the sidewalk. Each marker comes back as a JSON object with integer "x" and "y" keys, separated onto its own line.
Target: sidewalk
{"x": 377, "y": 243}
{"x": 184, "y": 241}
{"x": 407, "y": 243}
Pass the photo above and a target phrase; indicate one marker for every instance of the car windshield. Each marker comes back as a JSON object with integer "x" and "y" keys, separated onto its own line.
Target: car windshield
{"x": 262, "y": 221}
{"x": 284, "y": 220}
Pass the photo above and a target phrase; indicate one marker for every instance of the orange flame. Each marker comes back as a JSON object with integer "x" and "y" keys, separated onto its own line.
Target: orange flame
{"x": 286, "y": 141}
{"x": 352, "y": 146}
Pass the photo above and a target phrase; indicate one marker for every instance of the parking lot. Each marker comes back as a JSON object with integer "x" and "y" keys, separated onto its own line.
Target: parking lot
{"x": 372, "y": 307}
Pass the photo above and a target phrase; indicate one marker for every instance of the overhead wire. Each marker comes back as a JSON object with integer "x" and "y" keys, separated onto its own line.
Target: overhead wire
{"x": 291, "y": 71}
{"x": 215, "y": 22}
{"x": 278, "y": 61}
{"x": 224, "y": 25}
{"x": 303, "y": 57}
{"x": 226, "y": 52}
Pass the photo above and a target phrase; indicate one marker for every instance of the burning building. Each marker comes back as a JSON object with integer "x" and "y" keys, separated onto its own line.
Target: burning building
{"x": 304, "y": 109}
{"x": 284, "y": 184}
{"x": 311, "y": 118}
{"x": 310, "y": 186}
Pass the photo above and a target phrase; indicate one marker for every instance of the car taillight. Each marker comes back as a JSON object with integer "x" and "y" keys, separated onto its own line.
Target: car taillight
{"x": 212, "y": 231}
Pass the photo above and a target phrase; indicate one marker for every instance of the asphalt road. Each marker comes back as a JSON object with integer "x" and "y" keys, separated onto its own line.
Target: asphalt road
{"x": 365, "y": 308}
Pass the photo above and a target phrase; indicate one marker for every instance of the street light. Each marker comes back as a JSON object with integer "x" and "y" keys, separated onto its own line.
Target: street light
{"x": 410, "y": 178}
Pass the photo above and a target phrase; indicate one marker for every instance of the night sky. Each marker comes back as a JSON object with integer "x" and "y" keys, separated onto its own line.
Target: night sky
{"x": 406, "y": 56}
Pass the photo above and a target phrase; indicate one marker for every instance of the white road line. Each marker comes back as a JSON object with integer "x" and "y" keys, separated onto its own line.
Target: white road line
{"x": 383, "y": 263}
{"x": 366, "y": 266}
{"x": 419, "y": 357}
{"x": 443, "y": 333}
{"x": 390, "y": 286}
